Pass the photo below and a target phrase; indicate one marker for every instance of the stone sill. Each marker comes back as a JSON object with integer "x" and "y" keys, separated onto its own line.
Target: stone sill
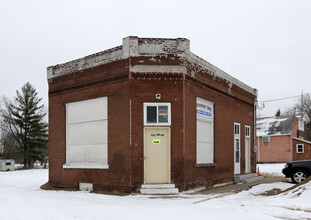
{"x": 83, "y": 166}
{"x": 205, "y": 165}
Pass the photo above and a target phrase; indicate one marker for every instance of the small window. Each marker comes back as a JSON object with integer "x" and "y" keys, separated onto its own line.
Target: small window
{"x": 301, "y": 125}
{"x": 247, "y": 131}
{"x": 157, "y": 113}
{"x": 300, "y": 148}
{"x": 236, "y": 129}
{"x": 8, "y": 163}
{"x": 266, "y": 139}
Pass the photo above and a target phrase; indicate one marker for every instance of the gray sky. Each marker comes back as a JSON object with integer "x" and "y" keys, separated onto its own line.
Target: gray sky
{"x": 264, "y": 43}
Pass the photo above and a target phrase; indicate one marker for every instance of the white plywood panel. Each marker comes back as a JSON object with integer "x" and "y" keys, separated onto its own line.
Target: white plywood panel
{"x": 88, "y": 110}
{"x": 97, "y": 154}
{"x": 76, "y": 154}
{"x": 205, "y": 153}
{"x": 204, "y": 131}
{"x": 87, "y": 133}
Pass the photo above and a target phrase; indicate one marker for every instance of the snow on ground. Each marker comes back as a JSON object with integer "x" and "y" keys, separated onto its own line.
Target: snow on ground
{"x": 22, "y": 198}
{"x": 274, "y": 169}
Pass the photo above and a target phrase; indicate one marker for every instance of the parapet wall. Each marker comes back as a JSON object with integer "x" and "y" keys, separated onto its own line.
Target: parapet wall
{"x": 148, "y": 47}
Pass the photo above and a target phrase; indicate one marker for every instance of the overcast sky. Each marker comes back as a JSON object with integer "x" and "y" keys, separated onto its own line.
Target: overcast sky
{"x": 264, "y": 43}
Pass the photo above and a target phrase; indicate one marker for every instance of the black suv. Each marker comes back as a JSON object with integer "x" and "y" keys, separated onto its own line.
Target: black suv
{"x": 297, "y": 170}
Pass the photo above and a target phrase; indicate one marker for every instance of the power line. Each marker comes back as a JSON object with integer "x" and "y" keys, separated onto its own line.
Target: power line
{"x": 291, "y": 97}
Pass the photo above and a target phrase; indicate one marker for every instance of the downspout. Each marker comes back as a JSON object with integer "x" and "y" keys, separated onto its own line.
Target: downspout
{"x": 130, "y": 105}
{"x": 130, "y": 139}
{"x": 255, "y": 133}
{"x": 258, "y": 150}
{"x": 184, "y": 123}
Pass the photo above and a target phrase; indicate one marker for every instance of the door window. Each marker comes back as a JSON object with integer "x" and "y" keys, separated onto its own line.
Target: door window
{"x": 237, "y": 150}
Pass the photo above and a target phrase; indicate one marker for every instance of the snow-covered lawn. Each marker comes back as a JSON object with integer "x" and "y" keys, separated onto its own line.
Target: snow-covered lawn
{"x": 22, "y": 198}
{"x": 274, "y": 169}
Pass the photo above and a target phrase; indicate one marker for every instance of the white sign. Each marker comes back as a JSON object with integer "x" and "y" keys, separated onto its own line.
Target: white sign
{"x": 204, "y": 110}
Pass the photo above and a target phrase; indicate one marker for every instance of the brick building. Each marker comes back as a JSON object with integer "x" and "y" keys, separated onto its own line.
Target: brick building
{"x": 282, "y": 139}
{"x": 148, "y": 112}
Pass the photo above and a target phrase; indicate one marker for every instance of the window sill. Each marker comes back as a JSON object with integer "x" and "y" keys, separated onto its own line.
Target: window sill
{"x": 84, "y": 166}
{"x": 205, "y": 165}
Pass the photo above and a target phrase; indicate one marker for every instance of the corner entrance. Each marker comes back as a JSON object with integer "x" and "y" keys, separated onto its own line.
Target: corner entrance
{"x": 157, "y": 155}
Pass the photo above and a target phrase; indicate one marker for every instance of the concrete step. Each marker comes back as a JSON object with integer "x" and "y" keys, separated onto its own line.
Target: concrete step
{"x": 239, "y": 178}
{"x": 246, "y": 177}
{"x": 157, "y": 186}
{"x": 158, "y": 189}
{"x": 253, "y": 179}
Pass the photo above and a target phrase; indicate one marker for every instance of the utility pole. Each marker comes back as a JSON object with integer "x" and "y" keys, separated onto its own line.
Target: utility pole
{"x": 301, "y": 107}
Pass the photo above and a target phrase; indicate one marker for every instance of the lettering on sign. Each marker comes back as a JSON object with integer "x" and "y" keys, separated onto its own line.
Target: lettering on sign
{"x": 205, "y": 111}
{"x": 156, "y": 141}
{"x": 163, "y": 112}
{"x": 158, "y": 135}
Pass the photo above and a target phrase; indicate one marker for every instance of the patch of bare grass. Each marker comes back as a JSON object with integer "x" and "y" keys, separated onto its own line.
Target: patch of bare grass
{"x": 272, "y": 192}
{"x": 277, "y": 191}
{"x": 48, "y": 186}
{"x": 298, "y": 185}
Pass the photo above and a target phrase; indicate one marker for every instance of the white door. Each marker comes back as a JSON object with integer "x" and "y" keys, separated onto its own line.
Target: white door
{"x": 237, "y": 149}
{"x": 247, "y": 150}
{"x": 157, "y": 155}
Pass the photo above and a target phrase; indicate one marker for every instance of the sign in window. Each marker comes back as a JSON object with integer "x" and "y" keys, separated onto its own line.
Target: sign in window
{"x": 157, "y": 114}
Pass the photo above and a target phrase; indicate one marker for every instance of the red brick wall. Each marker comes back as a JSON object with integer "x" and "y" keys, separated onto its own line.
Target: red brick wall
{"x": 296, "y": 132}
{"x": 301, "y": 156}
{"x": 227, "y": 111}
{"x": 117, "y": 176}
{"x": 278, "y": 150}
{"x": 144, "y": 91}
{"x": 125, "y": 123}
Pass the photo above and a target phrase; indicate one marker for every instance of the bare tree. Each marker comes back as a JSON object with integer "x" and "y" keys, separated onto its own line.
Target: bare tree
{"x": 303, "y": 107}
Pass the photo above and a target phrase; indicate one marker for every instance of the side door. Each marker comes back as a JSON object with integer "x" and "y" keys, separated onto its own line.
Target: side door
{"x": 237, "y": 148}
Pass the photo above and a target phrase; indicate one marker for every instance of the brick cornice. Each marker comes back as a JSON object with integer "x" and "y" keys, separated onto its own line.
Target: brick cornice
{"x": 205, "y": 85}
{"x": 119, "y": 78}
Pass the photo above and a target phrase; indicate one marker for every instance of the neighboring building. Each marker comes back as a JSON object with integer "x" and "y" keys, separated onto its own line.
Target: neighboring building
{"x": 282, "y": 139}
{"x": 148, "y": 111}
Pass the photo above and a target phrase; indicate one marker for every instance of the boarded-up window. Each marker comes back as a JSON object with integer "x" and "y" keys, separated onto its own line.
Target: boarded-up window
{"x": 86, "y": 133}
{"x": 205, "y": 131}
